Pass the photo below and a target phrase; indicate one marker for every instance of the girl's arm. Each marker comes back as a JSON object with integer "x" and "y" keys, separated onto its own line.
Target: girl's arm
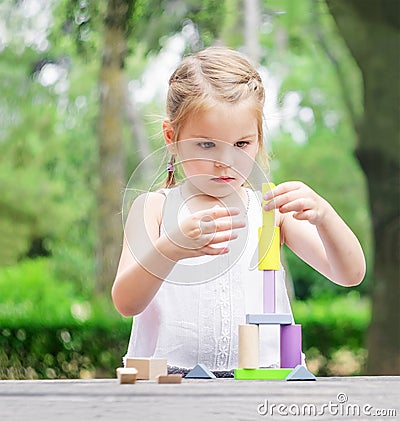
{"x": 143, "y": 263}
{"x": 315, "y": 232}
{"x": 148, "y": 257}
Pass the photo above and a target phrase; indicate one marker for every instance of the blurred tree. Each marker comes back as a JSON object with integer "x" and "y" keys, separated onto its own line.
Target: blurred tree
{"x": 252, "y": 29}
{"x": 69, "y": 107}
{"x": 124, "y": 19}
{"x": 308, "y": 131}
{"x": 47, "y": 148}
{"x": 111, "y": 162}
{"x": 370, "y": 28}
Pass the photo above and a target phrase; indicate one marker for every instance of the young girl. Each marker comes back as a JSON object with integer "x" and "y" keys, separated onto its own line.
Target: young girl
{"x": 186, "y": 270}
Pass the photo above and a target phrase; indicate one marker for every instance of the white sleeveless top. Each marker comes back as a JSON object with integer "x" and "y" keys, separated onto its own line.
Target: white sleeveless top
{"x": 189, "y": 322}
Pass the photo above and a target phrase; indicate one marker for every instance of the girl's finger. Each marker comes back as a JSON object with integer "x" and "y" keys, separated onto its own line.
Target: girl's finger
{"x": 298, "y": 205}
{"x": 209, "y": 227}
{"x": 305, "y": 215}
{"x": 222, "y": 237}
{"x": 282, "y": 189}
{"x": 283, "y": 200}
{"x": 217, "y": 212}
{"x": 215, "y": 250}
{"x": 206, "y": 240}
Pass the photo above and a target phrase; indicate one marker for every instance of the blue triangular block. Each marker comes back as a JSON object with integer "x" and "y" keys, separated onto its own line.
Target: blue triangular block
{"x": 200, "y": 371}
{"x": 300, "y": 373}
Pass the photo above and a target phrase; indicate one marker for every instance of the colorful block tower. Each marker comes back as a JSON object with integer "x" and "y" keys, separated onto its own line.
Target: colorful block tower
{"x": 290, "y": 334}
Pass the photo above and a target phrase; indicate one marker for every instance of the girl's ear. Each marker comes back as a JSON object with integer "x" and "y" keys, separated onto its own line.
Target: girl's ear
{"x": 168, "y": 132}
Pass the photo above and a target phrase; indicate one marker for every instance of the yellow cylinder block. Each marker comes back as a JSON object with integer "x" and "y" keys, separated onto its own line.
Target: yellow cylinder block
{"x": 269, "y": 248}
{"x": 269, "y": 237}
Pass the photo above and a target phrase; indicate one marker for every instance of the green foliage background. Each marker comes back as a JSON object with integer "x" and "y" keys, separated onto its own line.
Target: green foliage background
{"x": 49, "y": 329}
{"x": 48, "y": 175}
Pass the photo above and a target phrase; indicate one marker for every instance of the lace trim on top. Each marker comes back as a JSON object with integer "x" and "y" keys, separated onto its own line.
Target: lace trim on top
{"x": 224, "y": 340}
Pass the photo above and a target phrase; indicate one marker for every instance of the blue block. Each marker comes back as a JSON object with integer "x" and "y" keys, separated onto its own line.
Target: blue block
{"x": 300, "y": 373}
{"x": 200, "y": 371}
{"x": 269, "y": 319}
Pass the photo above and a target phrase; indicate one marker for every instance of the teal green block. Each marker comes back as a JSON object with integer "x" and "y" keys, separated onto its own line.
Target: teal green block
{"x": 261, "y": 373}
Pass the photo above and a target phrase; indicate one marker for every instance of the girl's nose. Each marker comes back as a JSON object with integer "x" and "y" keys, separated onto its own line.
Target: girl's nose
{"x": 225, "y": 156}
{"x": 222, "y": 164}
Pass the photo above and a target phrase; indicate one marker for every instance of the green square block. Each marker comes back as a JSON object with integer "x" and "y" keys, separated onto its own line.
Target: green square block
{"x": 262, "y": 373}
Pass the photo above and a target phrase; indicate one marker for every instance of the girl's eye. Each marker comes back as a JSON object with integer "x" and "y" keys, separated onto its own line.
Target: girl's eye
{"x": 206, "y": 145}
{"x": 241, "y": 144}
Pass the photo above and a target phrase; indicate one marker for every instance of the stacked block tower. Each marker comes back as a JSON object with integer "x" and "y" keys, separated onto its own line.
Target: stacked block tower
{"x": 290, "y": 334}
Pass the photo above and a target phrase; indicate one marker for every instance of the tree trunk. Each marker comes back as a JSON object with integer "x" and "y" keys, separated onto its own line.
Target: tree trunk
{"x": 252, "y": 29}
{"x": 140, "y": 143}
{"x": 111, "y": 163}
{"x": 371, "y": 30}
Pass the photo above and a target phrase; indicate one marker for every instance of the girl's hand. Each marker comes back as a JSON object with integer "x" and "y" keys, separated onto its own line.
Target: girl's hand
{"x": 198, "y": 234}
{"x": 296, "y": 197}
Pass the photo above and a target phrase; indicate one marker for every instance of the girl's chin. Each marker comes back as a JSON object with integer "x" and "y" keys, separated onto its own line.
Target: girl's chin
{"x": 217, "y": 189}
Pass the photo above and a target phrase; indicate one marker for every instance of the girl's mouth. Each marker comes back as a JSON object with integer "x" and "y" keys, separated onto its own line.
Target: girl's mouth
{"x": 223, "y": 179}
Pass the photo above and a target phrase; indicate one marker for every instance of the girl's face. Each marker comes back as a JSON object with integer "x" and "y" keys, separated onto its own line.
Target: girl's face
{"x": 217, "y": 148}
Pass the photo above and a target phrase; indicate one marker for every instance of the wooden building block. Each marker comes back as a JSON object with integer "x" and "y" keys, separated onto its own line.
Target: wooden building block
{"x": 170, "y": 379}
{"x": 127, "y": 375}
{"x": 300, "y": 373}
{"x": 269, "y": 238}
{"x": 200, "y": 371}
{"x": 148, "y": 368}
{"x": 269, "y": 245}
{"x": 248, "y": 346}
{"x": 268, "y": 217}
{"x": 269, "y": 291}
{"x": 269, "y": 319}
{"x": 261, "y": 373}
{"x": 265, "y": 187}
{"x": 290, "y": 346}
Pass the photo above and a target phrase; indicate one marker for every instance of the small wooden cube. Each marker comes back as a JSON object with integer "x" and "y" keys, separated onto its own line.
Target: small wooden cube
{"x": 169, "y": 379}
{"x": 127, "y": 375}
{"x": 148, "y": 368}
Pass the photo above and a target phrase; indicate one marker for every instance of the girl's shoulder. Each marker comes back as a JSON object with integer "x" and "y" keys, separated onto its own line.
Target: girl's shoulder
{"x": 153, "y": 200}
{"x": 151, "y": 204}
{"x": 150, "y": 198}
{"x": 148, "y": 205}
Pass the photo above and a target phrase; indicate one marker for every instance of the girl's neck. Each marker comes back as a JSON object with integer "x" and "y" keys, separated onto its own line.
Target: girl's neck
{"x": 196, "y": 200}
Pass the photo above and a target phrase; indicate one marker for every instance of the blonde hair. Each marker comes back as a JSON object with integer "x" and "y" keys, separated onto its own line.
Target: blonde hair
{"x": 213, "y": 75}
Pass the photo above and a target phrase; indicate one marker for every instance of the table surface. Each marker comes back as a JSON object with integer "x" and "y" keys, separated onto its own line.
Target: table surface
{"x": 334, "y": 398}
